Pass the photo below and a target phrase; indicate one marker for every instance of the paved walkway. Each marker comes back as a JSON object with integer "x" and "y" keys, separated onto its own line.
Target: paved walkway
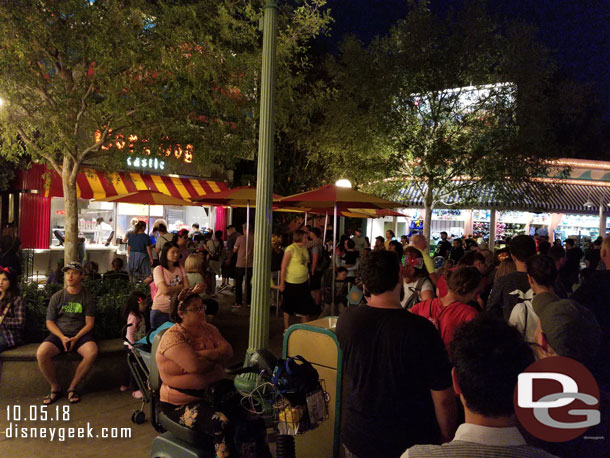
{"x": 108, "y": 409}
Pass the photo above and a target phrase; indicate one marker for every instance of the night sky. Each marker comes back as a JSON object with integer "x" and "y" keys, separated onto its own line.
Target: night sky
{"x": 576, "y": 31}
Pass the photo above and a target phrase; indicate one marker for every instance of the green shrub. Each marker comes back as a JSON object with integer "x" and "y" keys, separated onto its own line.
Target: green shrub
{"x": 110, "y": 296}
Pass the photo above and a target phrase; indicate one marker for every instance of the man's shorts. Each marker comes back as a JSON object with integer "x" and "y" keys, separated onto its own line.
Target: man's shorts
{"x": 315, "y": 281}
{"x": 75, "y": 345}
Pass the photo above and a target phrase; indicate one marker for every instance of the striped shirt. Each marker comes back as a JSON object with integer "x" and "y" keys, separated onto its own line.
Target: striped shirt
{"x": 474, "y": 441}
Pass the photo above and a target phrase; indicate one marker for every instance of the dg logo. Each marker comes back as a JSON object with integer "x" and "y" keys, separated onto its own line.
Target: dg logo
{"x": 557, "y": 399}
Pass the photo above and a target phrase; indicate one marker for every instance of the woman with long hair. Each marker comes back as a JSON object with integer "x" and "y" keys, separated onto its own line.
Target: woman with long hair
{"x": 12, "y": 310}
{"x": 140, "y": 253}
{"x": 169, "y": 278}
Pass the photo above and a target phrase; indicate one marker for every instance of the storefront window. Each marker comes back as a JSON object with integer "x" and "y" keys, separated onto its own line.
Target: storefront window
{"x": 147, "y": 213}
{"x": 89, "y": 212}
{"x": 183, "y": 217}
{"x": 584, "y": 227}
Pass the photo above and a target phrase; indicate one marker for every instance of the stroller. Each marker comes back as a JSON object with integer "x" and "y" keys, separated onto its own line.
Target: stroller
{"x": 138, "y": 360}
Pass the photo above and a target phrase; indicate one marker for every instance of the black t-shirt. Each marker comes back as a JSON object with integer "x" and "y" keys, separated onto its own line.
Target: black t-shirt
{"x": 391, "y": 360}
{"x": 573, "y": 258}
{"x": 593, "y": 256}
{"x": 443, "y": 248}
{"x": 508, "y": 291}
{"x": 595, "y": 295}
{"x": 457, "y": 253}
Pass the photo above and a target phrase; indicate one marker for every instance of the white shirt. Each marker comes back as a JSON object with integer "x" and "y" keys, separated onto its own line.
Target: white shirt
{"x": 480, "y": 441}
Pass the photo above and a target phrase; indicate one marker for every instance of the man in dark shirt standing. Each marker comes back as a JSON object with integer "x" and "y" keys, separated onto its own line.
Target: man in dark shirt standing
{"x": 572, "y": 266}
{"x": 595, "y": 295}
{"x": 444, "y": 246}
{"x": 397, "y": 374}
{"x": 514, "y": 288}
{"x": 592, "y": 254}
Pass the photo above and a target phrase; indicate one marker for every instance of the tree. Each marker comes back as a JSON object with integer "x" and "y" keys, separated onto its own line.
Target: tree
{"x": 87, "y": 81}
{"x": 439, "y": 103}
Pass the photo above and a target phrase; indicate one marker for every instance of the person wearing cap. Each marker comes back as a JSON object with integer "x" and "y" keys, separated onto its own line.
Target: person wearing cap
{"x": 595, "y": 295}
{"x": 487, "y": 356}
{"x": 359, "y": 240}
{"x": 70, "y": 320}
{"x": 567, "y": 328}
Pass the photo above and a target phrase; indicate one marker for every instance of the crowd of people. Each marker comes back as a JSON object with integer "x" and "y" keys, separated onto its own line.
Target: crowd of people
{"x": 435, "y": 342}
{"x": 425, "y": 337}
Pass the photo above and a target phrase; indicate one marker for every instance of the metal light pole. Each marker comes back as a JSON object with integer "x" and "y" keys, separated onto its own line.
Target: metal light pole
{"x": 261, "y": 278}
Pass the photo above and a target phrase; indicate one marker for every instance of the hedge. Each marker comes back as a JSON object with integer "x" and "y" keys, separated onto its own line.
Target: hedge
{"x": 110, "y": 296}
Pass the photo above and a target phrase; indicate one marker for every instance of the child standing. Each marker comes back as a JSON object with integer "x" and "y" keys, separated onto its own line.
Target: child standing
{"x": 133, "y": 313}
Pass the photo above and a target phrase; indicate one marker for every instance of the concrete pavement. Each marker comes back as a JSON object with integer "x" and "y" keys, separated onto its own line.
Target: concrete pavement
{"x": 106, "y": 412}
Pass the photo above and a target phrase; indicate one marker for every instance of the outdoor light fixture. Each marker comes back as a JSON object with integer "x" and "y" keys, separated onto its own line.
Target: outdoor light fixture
{"x": 343, "y": 183}
{"x": 589, "y": 203}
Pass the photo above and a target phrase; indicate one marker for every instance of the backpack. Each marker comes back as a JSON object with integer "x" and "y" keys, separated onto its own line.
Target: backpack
{"x": 416, "y": 296}
{"x": 215, "y": 256}
{"x": 436, "y": 321}
{"x": 323, "y": 260}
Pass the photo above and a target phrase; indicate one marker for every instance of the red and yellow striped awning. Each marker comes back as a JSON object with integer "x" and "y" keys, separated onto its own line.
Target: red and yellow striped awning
{"x": 94, "y": 184}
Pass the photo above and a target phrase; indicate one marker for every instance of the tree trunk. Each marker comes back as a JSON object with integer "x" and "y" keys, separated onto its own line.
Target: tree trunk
{"x": 68, "y": 180}
{"x": 428, "y": 214}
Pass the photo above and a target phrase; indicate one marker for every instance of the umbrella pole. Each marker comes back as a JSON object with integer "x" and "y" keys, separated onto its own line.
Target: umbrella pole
{"x": 305, "y": 219}
{"x": 332, "y": 308}
{"x": 324, "y": 235}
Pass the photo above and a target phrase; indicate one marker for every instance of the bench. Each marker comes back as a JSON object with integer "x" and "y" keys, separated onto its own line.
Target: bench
{"x": 20, "y": 376}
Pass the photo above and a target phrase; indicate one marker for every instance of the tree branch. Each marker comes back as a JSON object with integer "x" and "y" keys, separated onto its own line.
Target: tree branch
{"x": 82, "y": 109}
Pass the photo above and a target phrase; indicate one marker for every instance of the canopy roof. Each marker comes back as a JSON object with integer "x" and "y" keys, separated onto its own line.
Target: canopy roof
{"x": 326, "y": 197}
{"x": 147, "y": 198}
{"x": 95, "y": 184}
{"x": 545, "y": 195}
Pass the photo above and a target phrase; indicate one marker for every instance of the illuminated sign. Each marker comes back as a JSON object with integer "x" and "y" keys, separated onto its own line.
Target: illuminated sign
{"x": 183, "y": 154}
{"x": 145, "y": 163}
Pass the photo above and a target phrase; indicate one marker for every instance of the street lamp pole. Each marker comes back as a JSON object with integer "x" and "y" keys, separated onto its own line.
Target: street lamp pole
{"x": 261, "y": 272}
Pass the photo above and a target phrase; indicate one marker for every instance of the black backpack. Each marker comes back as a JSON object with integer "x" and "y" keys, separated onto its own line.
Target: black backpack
{"x": 416, "y": 296}
{"x": 323, "y": 260}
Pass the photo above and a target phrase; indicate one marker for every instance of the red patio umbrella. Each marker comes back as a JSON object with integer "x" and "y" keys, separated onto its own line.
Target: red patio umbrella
{"x": 337, "y": 198}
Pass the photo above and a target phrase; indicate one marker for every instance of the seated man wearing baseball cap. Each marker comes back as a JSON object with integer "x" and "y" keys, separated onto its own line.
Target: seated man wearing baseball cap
{"x": 70, "y": 319}
{"x": 566, "y": 328}
{"x": 488, "y": 355}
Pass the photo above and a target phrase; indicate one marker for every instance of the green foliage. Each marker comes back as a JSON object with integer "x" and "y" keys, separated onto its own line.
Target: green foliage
{"x": 110, "y": 297}
{"x": 169, "y": 72}
{"x": 396, "y": 117}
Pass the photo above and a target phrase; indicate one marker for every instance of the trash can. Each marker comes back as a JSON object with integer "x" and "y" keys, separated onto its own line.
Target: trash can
{"x": 317, "y": 343}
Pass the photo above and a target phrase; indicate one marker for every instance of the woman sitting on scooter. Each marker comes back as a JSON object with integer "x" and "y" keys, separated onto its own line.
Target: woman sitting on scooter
{"x": 191, "y": 357}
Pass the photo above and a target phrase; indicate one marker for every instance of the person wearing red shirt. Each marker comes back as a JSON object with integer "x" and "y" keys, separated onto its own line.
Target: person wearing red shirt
{"x": 451, "y": 310}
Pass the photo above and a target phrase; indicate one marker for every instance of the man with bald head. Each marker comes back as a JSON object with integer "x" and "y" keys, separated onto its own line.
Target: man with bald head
{"x": 419, "y": 241}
